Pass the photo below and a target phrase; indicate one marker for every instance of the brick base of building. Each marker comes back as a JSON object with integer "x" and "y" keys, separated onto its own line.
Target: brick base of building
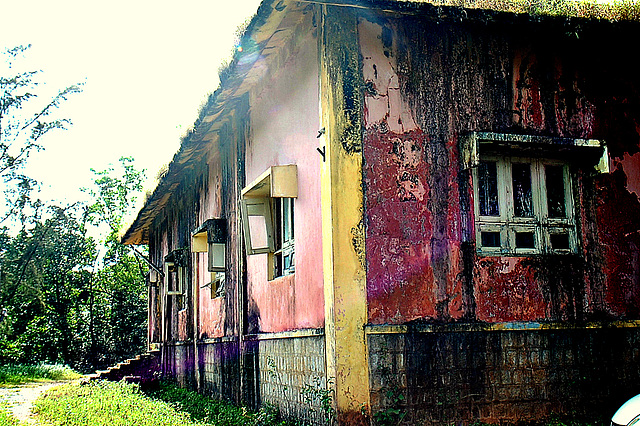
{"x": 286, "y": 370}
{"x": 434, "y": 375}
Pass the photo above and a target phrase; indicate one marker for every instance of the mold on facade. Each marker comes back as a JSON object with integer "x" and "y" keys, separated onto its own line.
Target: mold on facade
{"x": 465, "y": 247}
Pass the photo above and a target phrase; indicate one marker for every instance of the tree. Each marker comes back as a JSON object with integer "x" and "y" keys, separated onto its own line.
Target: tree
{"x": 24, "y": 120}
{"x": 121, "y": 277}
{"x": 67, "y": 298}
{"x": 45, "y": 271}
{"x": 63, "y": 297}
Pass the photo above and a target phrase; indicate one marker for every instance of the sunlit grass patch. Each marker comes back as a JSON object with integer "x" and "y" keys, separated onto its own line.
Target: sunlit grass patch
{"x": 7, "y": 419}
{"x": 122, "y": 404}
{"x": 11, "y": 375}
{"x": 105, "y": 403}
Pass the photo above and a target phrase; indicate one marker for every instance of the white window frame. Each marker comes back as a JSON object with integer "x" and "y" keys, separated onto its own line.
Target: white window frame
{"x": 541, "y": 225}
{"x": 264, "y": 197}
{"x": 210, "y": 238}
{"x": 258, "y": 207}
{"x": 174, "y": 263}
{"x": 177, "y": 280}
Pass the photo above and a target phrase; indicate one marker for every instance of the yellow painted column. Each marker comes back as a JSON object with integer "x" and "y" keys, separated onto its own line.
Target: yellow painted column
{"x": 342, "y": 214}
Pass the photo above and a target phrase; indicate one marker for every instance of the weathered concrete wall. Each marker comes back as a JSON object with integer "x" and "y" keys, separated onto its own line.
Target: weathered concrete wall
{"x": 219, "y": 368}
{"x": 445, "y": 377}
{"x": 178, "y": 364}
{"x": 426, "y": 84}
{"x": 291, "y": 374}
{"x": 284, "y": 125}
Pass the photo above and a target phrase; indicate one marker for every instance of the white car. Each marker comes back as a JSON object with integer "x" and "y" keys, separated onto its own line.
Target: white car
{"x": 628, "y": 414}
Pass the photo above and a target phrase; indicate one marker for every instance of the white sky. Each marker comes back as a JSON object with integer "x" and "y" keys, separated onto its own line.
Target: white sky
{"x": 147, "y": 67}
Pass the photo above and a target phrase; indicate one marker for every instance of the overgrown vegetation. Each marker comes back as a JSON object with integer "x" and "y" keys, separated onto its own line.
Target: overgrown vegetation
{"x": 613, "y": 10}
{"x": 211, "y": 411}
{"x": 7, "y": 419}
{"x": 115, "y": 404}
{"x": 66, "y": 298}
{"x": 19, "y": 374}
{"x": 119, "y": 403}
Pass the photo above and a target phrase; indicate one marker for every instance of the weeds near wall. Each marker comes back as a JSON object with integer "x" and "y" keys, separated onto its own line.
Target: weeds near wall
{"x": 273, "y": 373}
{"x": 392, "y": 415}
{"x": 392, "y": 390}
{"x": 320, "y": 394}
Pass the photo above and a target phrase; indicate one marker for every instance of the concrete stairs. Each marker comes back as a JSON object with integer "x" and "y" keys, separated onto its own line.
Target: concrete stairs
{"x": 143, "y": 369}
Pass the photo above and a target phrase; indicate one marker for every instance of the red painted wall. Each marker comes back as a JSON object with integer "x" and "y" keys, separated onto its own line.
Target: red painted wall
{"x": 426, "y": 84}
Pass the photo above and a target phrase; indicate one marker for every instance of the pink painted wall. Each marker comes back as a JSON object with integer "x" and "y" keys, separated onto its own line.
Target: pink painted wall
{"x": 285, "y": 120}
{"x": 211, "y": 311}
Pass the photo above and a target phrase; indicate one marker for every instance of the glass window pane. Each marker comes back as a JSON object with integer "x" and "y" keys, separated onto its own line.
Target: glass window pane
{"x": 525, "y": 240}
{"x": 555, "y": 191}
{"x": 488, "y": 188}
{"x": 287, "y": 219}
{"x": 522, "y": 196}
{"x": 289, "y": 262}
{"x": 559, "y": 241}
{"x": 258, "y": 227}
{"x": 490, "y": 239}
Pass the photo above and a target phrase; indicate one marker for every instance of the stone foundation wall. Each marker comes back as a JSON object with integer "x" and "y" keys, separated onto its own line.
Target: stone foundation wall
{"x": 436, "y": 376}
{"x": 286, "y": 370}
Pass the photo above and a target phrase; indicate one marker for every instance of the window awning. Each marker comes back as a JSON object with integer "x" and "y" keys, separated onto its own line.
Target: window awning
{"x": 476, "y": 143}
{"x": 275, "y": 182}
{"x": 211, "y": 231}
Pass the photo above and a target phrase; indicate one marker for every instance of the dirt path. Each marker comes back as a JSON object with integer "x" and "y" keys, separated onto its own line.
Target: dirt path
{"x": 20, "y": 398}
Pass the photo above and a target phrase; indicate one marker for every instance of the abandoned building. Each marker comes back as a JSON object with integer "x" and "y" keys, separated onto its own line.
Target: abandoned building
{"x": 409, "y": 208}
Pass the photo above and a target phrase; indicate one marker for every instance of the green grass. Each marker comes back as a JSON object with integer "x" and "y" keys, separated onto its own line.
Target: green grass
{"x": 212, "y": 411}
{"x": 122, "y": 404}
{"x": 11, "y": 375}
{"x": 7, "y": 419}
{"x": 105, "y": 403}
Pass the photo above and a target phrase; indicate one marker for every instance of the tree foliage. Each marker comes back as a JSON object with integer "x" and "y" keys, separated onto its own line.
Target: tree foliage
{"x": 24, "y": 120}
{"x": 66, "y": 298}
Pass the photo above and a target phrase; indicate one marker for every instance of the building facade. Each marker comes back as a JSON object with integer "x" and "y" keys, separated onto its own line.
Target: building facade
{"x": 430, "y": 214}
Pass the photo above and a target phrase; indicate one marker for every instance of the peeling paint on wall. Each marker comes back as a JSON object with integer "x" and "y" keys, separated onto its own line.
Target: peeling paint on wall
{"x": 455, "y": 79}
{"x": 412, "y": 265}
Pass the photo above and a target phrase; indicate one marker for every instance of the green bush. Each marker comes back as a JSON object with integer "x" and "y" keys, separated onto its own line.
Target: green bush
{"x": 10, "y": 352}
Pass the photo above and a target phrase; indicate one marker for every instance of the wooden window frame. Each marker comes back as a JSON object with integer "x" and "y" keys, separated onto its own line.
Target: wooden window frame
{"x": 540, "y": 225}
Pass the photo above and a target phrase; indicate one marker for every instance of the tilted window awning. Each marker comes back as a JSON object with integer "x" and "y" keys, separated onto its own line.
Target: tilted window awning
{"x": 211, "y": 231}
{"x": 275, "y": 182}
